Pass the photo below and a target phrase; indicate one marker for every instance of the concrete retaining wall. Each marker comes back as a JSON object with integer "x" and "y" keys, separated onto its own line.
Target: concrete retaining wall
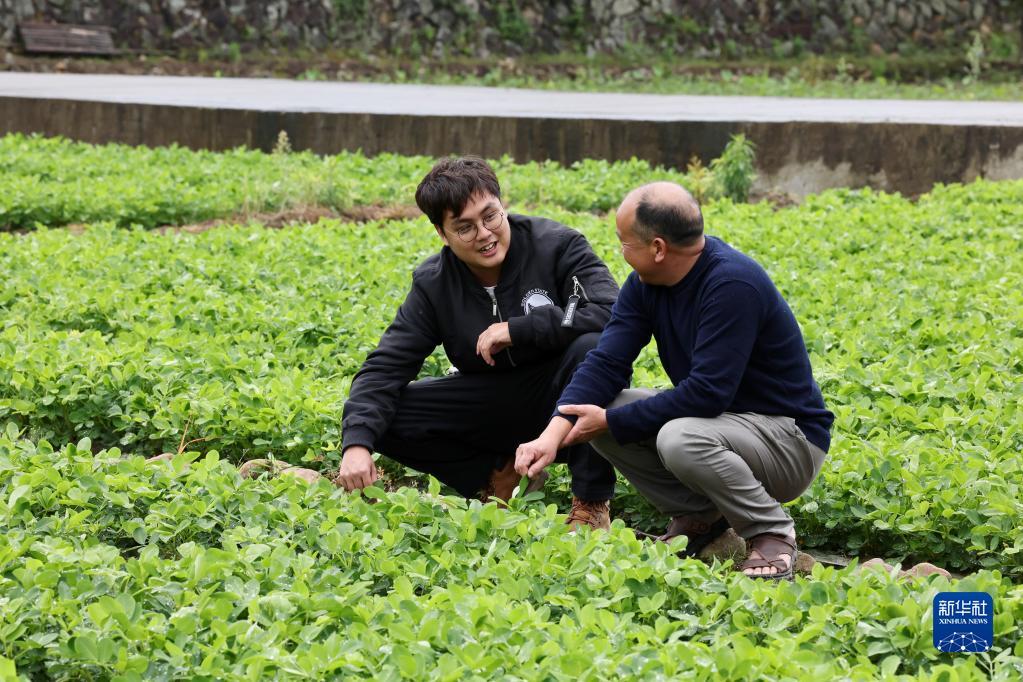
{"x": 797, "y": 157}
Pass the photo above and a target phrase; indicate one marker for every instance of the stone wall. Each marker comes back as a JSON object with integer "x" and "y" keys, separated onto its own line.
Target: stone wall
{"x": 512, "y": 27}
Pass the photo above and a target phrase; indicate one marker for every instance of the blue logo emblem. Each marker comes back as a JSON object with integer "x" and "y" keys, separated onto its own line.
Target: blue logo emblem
{"x": 964, "y": 622}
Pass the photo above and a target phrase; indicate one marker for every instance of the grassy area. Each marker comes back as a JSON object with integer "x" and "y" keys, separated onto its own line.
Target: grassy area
{"x": 740, "y": 82}
{"x": 53, "y": 181}
{"x": 856, "y": 78}
{"x": 959, "y": 76}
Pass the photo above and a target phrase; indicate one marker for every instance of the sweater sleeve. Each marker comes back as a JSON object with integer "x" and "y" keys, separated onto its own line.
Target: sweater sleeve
{"x": 607, "y": 369}
{"x": 397, "y": 359}
{"x": 730, "y": 317}
{"x": 597, "y": 290}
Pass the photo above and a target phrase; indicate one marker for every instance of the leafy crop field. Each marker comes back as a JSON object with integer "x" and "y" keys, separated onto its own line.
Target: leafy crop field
{"x": 113, "y": 341}
{"x": 114, "y": 568}
{"x": 54, "y": 181}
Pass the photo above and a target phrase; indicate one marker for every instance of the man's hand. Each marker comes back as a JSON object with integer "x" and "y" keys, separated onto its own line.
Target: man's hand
{"x": 492, "y": 341}
{"x": 358, "y": 470}
{"x": 591, "y": 422}
{"x": 533, "y": 457}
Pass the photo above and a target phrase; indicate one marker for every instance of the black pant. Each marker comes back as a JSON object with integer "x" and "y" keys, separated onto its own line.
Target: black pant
{"x": 461, "y": 427}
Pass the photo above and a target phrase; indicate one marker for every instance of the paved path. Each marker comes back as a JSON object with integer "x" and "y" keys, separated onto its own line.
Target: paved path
{"x": 431, "y": 100}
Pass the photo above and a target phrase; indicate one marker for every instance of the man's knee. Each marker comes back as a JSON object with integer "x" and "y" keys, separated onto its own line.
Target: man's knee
{"x": 631, "y": 395}
{"x": 683, "y": 445}
{"x": 571, "y": 358}
{"x": 606, "y": 446}
{"x": 577, "y": 350}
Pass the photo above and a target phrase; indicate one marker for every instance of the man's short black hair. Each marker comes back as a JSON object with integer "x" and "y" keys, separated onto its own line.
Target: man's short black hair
{"x": 451, "y": 182}
{"x": 680, "y": 223}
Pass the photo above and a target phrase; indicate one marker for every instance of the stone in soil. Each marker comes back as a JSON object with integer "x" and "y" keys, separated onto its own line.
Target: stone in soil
{"x": 307, "y": 475}
{"x": 804, "y": 563}
{"x": 256, "y": 467}
{"x": 924, "y": 569}
{"x": 727, "y": 546}
{"x": 921, "y": 570}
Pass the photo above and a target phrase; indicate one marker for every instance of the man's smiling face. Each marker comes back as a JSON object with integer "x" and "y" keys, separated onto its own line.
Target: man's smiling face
{"x": 484, "y": 223}
{"x": 636, "y": 252}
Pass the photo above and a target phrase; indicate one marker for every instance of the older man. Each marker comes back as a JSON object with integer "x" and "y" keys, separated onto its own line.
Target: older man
{"x": 743, "y": 430}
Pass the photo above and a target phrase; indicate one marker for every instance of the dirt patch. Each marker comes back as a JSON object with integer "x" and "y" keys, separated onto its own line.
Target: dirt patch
{"x": 366, "y": 214}
{"x": 306, "y": 215}
{"x": 278, "y": 219}
{"x": 777, "y": 200}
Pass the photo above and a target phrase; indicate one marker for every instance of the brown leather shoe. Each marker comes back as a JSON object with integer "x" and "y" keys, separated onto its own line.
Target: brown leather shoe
{"x": 503, "y": 481}
{"x": 596, "y": 515}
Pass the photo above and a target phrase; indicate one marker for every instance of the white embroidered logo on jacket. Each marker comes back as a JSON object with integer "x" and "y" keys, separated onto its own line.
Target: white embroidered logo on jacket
{"x": 535, "y": 298}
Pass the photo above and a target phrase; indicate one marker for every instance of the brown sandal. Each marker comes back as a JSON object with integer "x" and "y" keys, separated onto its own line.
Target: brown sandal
{"x": 771, "y": 546}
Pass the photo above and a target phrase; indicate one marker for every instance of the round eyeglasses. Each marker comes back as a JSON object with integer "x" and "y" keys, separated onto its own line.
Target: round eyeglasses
{"x": 492, "y": 221}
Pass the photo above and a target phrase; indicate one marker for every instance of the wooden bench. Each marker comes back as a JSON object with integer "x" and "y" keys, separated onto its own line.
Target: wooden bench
{"x": 67, "y": 39}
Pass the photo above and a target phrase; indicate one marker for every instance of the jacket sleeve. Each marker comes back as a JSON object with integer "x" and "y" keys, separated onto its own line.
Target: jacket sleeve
{"x": 598, "y": 290}
{"x": 729, "y": 319}
{"x": 397, "y": 359}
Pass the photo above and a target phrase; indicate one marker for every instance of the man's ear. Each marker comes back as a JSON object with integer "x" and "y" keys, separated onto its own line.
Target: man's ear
{"x": 440, "y": 233}
{"x": 660, "y": 249}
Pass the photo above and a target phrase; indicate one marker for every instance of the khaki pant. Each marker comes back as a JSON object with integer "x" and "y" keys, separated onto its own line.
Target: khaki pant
{"x": 743, "y": 465}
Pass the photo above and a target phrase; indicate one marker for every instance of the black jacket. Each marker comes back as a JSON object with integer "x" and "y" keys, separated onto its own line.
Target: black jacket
{"x": 546, "y": 262}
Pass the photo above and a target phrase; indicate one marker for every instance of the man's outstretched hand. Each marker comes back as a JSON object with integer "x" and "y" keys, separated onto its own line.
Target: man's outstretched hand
{"x": 492, "y": 341}
{"x": 591, "y": 422}
{"x": 533, "y": 457}
{"x": 358, "y": 470}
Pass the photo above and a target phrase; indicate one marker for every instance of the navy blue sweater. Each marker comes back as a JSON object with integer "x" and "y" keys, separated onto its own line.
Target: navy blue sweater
{"x": 727, "y": 339}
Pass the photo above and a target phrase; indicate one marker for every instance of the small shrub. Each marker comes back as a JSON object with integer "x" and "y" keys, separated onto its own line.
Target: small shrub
{"x": 733, "y": 170}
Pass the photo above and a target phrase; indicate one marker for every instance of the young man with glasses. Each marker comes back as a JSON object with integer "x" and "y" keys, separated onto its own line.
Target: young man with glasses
{"x": 517, "y": 302}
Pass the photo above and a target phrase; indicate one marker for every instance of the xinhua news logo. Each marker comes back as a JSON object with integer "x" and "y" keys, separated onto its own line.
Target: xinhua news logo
{"x": 964, "y": 622}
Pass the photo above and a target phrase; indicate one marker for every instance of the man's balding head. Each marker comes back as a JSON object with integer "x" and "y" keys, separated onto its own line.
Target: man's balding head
{"x": 663, "y": 209}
